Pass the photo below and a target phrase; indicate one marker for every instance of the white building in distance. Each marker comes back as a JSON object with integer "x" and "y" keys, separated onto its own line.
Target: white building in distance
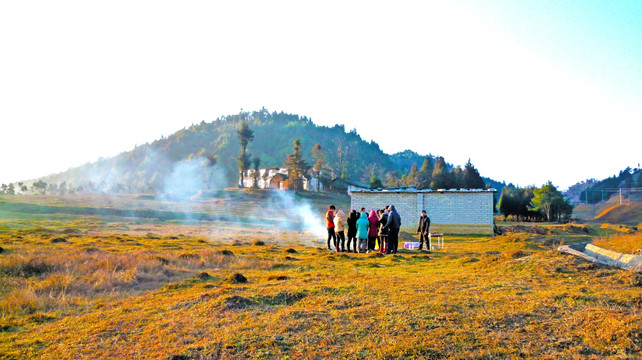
{"x": 454, "y": 211}
{"x": 275, "y": 177}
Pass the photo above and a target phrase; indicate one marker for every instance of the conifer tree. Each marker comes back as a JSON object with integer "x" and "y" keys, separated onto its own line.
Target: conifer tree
{"x": 413, "y": 176}
{"x": 245, "y": 135}
{"x": 296, "y": 165}
{"x": 440, "y": 175}
{"x": 375, "y": 182}
{"x": 472, "y": 179}
{"x": 456, "y": 178}
{"x": 425, "y": 173}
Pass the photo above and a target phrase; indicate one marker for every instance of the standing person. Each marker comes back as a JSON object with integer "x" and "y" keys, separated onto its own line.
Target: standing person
{"x": 339, "y": 227}
{"x": 329, "y": 219}
{"x": 363, "y": 225}
{"x": 352, "y": 229}
{"x": 372, "y": 230}
{"x": 383, "y": 233}
{"x": 393, "y": 225}
{"x": 423, "y": 230}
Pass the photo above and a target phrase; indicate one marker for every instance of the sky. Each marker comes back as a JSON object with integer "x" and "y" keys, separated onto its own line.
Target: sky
{"x": 530, "y": 91}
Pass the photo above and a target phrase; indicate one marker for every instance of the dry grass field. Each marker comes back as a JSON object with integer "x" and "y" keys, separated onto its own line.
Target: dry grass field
{"x": 105, "y": 285}
{"x": 624, "y": 243}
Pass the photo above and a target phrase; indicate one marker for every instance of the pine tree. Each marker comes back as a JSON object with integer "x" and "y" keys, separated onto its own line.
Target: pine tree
{"x": 425, "y": 173}
{"x": 246, "y": 135}
{"x": 375, "y": 182}
{"x": 472, "y": 179}
{"x": 413, "y": 176}
{"x": 440, "y": 176}
{"x": 297, "y": 167}
{"x": 456, "y": 178}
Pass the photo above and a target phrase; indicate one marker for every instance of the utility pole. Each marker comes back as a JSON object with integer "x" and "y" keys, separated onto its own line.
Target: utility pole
{"x": 620, "y": 196}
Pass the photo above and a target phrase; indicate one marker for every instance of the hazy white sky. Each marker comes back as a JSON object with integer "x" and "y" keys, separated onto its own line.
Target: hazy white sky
{"x": 530, "y": 91}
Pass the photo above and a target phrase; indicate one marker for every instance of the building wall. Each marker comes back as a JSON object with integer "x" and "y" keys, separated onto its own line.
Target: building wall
{"x": 449, "y": 212}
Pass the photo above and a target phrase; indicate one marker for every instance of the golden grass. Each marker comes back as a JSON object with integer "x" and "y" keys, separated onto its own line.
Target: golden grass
{"x": 132, "y": 296}
{"x": 625, "y": 243}
{"x": 619, "y": 228}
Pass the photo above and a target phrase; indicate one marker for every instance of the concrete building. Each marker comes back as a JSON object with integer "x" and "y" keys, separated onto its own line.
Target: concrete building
{"x": 454, "y": 211}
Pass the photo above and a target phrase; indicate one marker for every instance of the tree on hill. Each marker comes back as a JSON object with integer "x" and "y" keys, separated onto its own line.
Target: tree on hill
{"x": 456, "y": 178}
{"x": 375, "y": 182}
{"x": 297, "y": 167}
{"x": 515, "y": 203}
{"x": 245, "y": 135}
{"x": 472, "y": 179}
{"x": 440, "y": 177}
{"x": 425, "y": 174}
{"x": 413, "y": 175}
{"x": 551, "y": 202}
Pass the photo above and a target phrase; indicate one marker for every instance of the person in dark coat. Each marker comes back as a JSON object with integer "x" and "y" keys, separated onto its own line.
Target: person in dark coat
{"x": 352, "y": 229}
{"x": 393, "y": 225}
{"x": 423, "y": 230}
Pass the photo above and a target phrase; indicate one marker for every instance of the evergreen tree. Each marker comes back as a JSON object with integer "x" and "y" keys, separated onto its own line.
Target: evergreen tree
{"x": 413, "y": 176}
{"x": 375, "y": 182}
{"x": 472, "y": 179}
{"x": 297, "y": 167}
{"x": 425, "y": 173}
{"x": 245, "y": 135}
{"x": 456, "y": 178}
{"x": 440, "y": 177}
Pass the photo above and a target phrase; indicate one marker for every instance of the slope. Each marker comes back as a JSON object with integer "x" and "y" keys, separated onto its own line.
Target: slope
{"x": 205, "y": 156}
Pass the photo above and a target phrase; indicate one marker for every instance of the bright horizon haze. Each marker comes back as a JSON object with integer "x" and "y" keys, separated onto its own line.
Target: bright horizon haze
{"x": 529, "y": 91}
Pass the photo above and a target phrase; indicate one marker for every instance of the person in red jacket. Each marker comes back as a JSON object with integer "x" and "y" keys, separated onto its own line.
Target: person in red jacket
{"x": 329, "y": 219}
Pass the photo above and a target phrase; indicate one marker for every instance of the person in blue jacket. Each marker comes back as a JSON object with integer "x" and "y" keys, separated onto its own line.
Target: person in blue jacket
{"x": 363, "y": 225}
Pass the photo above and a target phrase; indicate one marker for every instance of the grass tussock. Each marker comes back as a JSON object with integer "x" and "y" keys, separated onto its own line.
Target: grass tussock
{"x": 626, "y": 243}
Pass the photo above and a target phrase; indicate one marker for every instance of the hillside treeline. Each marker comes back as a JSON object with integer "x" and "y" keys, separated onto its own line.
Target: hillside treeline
{"x": 534, "y": 204}
{"x": 602, "y": 190}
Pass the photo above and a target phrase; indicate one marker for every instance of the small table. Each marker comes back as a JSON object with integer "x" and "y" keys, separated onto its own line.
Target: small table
{"x": 440, "y": 240}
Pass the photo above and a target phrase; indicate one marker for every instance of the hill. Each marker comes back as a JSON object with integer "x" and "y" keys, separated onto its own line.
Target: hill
{"x": 204, "y": 156}
{"x": 594, "y": 191}
{"x": 630, "y": 214}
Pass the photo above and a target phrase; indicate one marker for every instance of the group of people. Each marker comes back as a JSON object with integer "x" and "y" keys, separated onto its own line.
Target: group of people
{"x": 377, "y": 231}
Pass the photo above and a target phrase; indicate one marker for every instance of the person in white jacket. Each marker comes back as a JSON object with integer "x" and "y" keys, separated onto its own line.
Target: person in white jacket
{"x": 339, "y": 229}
